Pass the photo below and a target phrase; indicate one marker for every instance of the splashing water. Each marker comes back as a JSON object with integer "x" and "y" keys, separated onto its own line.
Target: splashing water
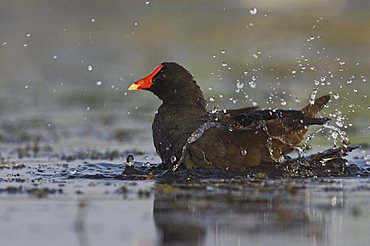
{"x": 239, "y": 85}
{"x": 252, "y": 84}
{"x": 269, "y": 141}
{"x": 335, "y": 132}
{"x": 311, "y": 136}
{"x": 194, "y": 137}
{"x": 313, "y": 96}
{"x": 130, "y": 160}
{"x": 200, "y": 131}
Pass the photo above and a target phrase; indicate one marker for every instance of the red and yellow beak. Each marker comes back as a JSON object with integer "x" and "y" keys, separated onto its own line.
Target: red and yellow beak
{"x": 145, "y": 83}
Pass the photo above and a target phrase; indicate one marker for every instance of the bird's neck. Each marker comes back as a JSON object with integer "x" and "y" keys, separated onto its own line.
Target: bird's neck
{"x": 191, "y": 98}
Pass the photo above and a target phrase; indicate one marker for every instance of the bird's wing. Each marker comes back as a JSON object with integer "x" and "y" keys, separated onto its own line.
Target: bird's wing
{"x": 224, "y": 146}
{"x": 287, "y": 117}
{"x": 240, "y": 111}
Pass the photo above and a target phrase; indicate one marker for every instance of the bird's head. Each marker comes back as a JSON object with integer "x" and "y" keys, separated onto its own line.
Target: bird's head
{"x": 169, "y": 81}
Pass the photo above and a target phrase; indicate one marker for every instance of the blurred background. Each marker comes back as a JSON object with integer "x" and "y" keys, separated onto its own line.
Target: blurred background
{"x": 70, "y": 62}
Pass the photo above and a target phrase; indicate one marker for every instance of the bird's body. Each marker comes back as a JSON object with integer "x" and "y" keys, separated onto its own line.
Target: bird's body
{"x": 187, "y": 135}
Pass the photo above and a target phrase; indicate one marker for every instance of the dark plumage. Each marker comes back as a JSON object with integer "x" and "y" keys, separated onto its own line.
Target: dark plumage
{"x": 186, "y": 134}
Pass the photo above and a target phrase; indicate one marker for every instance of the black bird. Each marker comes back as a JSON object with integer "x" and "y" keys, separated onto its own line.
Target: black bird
{"x": 186, "y": 135}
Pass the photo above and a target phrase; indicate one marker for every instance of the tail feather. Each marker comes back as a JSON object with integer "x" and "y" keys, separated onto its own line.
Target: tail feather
{"x": 311, "y": 110}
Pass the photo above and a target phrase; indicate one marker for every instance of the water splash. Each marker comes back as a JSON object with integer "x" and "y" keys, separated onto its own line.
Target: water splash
{"x": 335, "y": 132}
{"x": 269, "y": 141}
{"x": 198, "y": 133}
{"x": 130, "y": 160}
{"x": 313, "y": 96}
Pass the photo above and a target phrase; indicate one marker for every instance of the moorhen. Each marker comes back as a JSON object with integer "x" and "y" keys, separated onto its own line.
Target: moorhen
{"x": 186, "y": 135}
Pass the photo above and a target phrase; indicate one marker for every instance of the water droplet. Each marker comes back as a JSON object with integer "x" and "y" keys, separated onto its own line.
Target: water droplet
{"x": 224, "y": 64}
{"x": 334, "y": 135}
{"x": 93, "y": 20}
{"x": 87, "y": 108}
{"x": 243, "y": 152}
{"x": 99, "y": 82}
{"x": 55, "y": 57}
{"x": 26, "y": 86}
{"x": 90, "y": 68}
{"x": 28, "y": 35}
{"x": 294, "y": 72}
{"x": 340, "y": 120}
{"x": 255, "y": 56}
{"x": 147, "y": 2}
{"x": 283, "y": 103}
{"x": 316, "y": 82}
{"x": 5, "y": 43}
{"x": 130, "y": 160}
{"x": 336, "y": 96}
{"x": 211, "y": 99}
{"x": 25, "y": 45}
{"x": 322, "y": 79}
{"x": 252, "y": 84}
{"x": 240, "y": 85}
{"x": 73, "y": 172}
{"x": 253, "y": 11}
{"x": 223, "y": 51}
{"x": 173, "y": 159}
{"x": 136, "y": 23}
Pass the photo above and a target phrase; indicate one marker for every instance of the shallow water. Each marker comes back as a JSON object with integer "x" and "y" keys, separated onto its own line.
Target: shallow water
{"x": 90, "y": 202}
{"x": 64, "y": 184}
{"x": 76, "y": 211}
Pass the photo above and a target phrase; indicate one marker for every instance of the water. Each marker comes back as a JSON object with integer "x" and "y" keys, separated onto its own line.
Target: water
{"x": 69, "y": 183}
{"x": 45, "y": 204}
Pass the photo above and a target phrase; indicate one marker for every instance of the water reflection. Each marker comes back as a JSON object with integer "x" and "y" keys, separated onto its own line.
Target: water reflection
{"x": 255, "y": 214}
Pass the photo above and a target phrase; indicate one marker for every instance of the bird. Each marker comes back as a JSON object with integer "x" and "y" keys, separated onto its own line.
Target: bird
{"x": 188, "y": 136}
